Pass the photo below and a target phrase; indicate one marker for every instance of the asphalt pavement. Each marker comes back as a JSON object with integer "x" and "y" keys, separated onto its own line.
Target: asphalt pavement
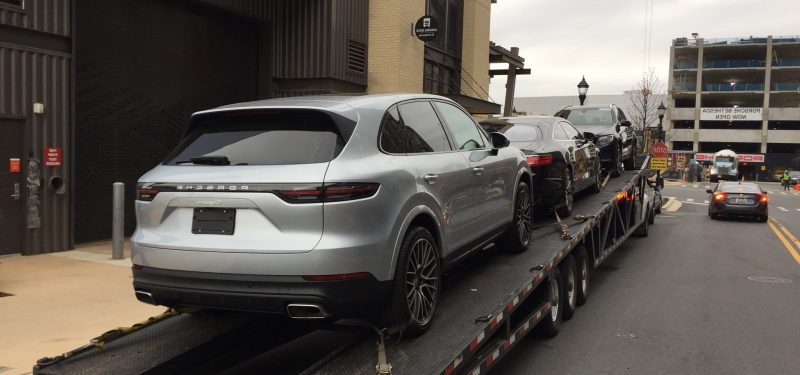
{"x": 695, "y": 297}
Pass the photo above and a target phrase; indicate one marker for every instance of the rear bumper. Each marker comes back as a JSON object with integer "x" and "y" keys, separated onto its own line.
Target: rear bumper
{"x": 737, "y": 210}
{"x": 268, "y": 294}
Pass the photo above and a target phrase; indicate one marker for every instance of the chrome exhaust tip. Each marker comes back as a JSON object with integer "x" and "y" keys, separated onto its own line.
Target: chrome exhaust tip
{"x": 306, "y": 311}
{"x": 145, "y": 297}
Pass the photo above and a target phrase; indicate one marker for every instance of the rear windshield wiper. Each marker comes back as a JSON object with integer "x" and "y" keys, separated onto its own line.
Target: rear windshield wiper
{"x": 208, "y": 160}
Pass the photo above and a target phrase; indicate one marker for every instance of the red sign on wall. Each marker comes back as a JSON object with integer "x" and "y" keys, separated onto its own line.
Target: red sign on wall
{"x": 13, "y": 165}
{"x": 52, "y": 156}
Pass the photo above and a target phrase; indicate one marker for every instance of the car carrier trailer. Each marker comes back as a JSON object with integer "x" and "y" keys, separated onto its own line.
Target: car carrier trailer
{"x": 488, "y": 305}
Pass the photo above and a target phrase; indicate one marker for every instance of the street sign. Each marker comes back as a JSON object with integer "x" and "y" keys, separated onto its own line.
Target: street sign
{"x": 52, "y": 156}
{"x": 659, "y": 150}
{"x": 658, "y": 164}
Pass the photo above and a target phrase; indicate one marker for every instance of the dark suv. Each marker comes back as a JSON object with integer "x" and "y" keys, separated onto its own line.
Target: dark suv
{"x": 615, "y": 136}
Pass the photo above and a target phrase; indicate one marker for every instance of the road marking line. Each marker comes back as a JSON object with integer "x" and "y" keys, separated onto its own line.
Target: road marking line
{"x": 699, "y": 204}
{"x": 708, "y": 186}
{"x": 783, "y": 239}
{"x": 695, "y": 186}
{"x": 706, "y": 202}
{"x": 683, "y": 185}
{"x": 782, "y": 209}
{"x": 783, "y": 193}
{"x": 690, "y": 199}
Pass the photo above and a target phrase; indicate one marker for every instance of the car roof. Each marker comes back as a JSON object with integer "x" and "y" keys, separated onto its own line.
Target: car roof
{"x": 340, "y": 104}
{"x": 524, "y": 120}
{"x": 608, "y": 106}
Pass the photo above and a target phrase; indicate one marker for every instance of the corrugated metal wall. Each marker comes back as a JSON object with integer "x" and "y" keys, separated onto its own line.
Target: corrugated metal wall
{"x": 302, "y": 48}
{"x": 49, "y": 16}
{"x": 29, "y": 76}
{"x": 348, "y": 22}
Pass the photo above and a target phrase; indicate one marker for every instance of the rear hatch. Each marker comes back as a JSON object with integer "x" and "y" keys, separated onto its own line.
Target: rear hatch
{"x": 744, "y": 195}
{"x": 242, "y": 181}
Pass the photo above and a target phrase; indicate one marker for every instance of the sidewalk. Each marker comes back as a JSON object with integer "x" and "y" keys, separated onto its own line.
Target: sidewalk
{"x": 60, "y": 301}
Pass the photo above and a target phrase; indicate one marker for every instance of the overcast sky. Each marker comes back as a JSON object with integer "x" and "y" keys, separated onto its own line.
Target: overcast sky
{"x": 604, "y": 40}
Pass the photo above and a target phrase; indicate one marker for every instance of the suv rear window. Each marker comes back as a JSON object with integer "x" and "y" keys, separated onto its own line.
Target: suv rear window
{"x": 260, "y": 138}
{"x": 587, "y": 116}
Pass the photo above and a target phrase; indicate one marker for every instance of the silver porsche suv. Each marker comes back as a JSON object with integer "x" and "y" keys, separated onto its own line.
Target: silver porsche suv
{"x": 319, "y": 207}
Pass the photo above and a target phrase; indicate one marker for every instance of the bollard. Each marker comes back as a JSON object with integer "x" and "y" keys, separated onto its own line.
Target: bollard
{"x": 118, "y": 222}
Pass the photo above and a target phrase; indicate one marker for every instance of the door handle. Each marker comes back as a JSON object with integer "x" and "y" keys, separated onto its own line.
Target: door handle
{"x": 430, "y": 178}
{"x": 477, "y": 170}
{"x": 17, "y": 195}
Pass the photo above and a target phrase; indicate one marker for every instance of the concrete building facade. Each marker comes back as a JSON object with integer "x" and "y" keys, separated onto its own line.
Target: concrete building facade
{"x": 97, "y": 92}
{"x": 737, "y": 93}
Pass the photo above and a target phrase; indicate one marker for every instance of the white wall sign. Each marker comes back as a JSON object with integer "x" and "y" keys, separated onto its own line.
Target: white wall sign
{"x": 731, "y": 113}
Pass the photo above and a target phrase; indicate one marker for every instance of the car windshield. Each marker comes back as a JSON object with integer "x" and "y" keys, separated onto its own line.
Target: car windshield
{"x": 587, "y": 116}
{"x": 515, "y": 132}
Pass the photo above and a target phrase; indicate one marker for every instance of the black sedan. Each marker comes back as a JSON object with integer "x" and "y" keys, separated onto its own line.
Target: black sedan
{"x": 563, "y": 160}
{"x": 736, "y": 199}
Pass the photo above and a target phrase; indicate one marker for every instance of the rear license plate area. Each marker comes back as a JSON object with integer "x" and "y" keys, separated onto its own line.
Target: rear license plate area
{"x": 214, "y": 221}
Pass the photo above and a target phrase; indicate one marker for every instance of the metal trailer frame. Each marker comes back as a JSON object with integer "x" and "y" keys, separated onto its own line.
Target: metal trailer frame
{"x": 471, "y": 342}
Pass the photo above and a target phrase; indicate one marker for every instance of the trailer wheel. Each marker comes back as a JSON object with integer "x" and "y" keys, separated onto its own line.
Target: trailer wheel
{"x": 651, "y": 219}
{"x": 415, "y": 288}
{"x": 643, "y": 229}
{"x": 570, "y": 274}
{"x": 551, "y": 322}
{"x": 582, "y": 267}
{"x": 518, "y": 237}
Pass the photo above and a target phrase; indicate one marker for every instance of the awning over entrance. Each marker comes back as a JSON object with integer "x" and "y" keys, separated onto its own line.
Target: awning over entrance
{"x": 475, "y": 106}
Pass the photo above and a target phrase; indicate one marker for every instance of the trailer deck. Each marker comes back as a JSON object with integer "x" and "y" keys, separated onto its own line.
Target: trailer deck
{"x": 489, "y": 303}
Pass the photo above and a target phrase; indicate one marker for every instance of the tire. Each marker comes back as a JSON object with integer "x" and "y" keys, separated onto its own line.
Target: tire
{"x": 565, "y": 207}
{"x": 598, "y": 183}
{"x": 569, "y": 273}
{"x": 616, "y": 168}
{"x": 518, "y": 237}
{"x": 583, "y": 267}
{"x": 651, "y": 219}
{"x": 550, "y": 324}
{"x": 401, "y": 309}
{"x": 643, "y": 229}
{"x": 630, "y": 163}
{"x": 713, "y": 179}
{"x": 763, "y": 219}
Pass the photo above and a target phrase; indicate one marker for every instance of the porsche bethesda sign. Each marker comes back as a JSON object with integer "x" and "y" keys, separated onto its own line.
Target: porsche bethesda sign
{"x": 731, "y": 114}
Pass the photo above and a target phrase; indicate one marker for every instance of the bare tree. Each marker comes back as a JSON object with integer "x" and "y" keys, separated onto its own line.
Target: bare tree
{"x": 644, "y": 105}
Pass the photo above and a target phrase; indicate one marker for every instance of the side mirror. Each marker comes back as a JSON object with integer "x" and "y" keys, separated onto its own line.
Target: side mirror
{"x": 625, "y": 123}
{"x": 660, "y": 182}
{"x": 498, "y": 140}
{"x": 590, "y": 137}
{"x": 709, "y": 191}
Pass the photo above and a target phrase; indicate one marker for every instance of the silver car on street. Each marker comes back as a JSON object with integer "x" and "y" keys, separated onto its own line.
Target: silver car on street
{"x": 322, "y": 207}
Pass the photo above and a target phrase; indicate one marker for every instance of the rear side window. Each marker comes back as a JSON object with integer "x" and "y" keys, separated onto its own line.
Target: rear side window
{"x": 260, "y": 138}
{"x": 424, "y": 132}
{"x": 466, "y": 133}
{"x": 743, "y": 188}
{"x": 392, "y": 133}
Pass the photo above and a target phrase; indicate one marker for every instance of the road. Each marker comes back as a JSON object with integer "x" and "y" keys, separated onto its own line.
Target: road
{"x": 684, "y": 300}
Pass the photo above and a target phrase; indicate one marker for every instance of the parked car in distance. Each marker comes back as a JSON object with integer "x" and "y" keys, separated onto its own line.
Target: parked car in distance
{"x": 615, "y": 135}
{"x": 736, "y": 199}
{"x": 563, "y": 160}
{"x": 320, "y": 207}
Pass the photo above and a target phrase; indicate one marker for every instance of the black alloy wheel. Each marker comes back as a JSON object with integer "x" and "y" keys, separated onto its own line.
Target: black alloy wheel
{"x": 415, "y": 288}
{"x": 616, "y": 168}
{"x": 568, "y": 199}
{"x": 630, "y": 163}
{"x": 518, "y": 237}
{"x": 597, "y": 186}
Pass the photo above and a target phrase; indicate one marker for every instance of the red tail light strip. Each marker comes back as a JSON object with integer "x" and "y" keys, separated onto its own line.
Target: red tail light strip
{"x": 290, "y": 193}
{"x": 539, "y": 160}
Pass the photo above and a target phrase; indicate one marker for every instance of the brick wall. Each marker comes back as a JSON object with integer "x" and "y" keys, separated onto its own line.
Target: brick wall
{"x": 475, "y": 48}
{"x": 395, "y": 56}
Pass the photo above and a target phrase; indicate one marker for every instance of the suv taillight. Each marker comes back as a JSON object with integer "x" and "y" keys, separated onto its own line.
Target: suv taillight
{"x": 145, "y": 193}
{"x": 330, "y": 193}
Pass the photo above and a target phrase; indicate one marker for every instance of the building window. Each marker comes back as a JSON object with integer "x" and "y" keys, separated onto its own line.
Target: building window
{"x": 13, "y": 4}
{"x": 682, "y": 146}
{"x": 683, "y": 124}
{"x": 442, "y": 72}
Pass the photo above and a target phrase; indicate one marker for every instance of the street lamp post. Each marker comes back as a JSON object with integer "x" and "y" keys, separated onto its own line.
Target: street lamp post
{"x": 661, "y": 111}
{"x": 583, "y": 87}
